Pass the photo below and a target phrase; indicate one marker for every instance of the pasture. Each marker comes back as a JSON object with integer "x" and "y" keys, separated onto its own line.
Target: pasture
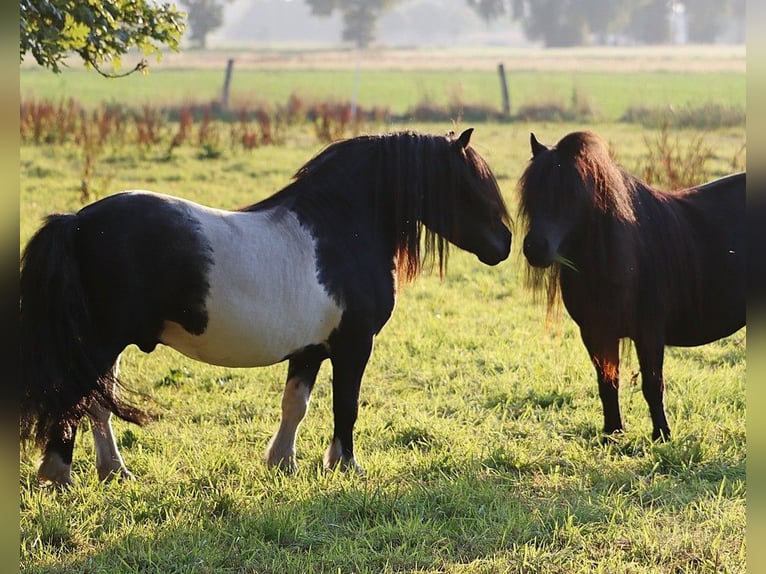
{"x": 611, "y": 80}
{"x": 479, "y": 418}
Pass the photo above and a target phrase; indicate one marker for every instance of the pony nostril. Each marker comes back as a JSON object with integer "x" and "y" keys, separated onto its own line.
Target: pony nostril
{"x": 537, "y": 250}
{"x": 535, "y": 245}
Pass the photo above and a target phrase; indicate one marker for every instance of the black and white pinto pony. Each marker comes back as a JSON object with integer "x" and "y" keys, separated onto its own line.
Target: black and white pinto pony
{"x": 633, "y": 262}
{"x": 308, "y": 274}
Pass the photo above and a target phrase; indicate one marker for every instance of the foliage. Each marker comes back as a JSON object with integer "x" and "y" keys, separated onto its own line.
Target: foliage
{"x": 580, "y": 109}
{"x": 359, "y": 18}
{"x": 704, "y": 116}
{"x": 670, "y": 165}
{"x": 649, "y": 21}
{"x": 558, "y": 22}
{"x": 204, "y": 16}
{"x": 578, "y": 22}
{"x": 489, "y": 10}
{"x": 98, "y": 32}
{"x": 706, "y": 17}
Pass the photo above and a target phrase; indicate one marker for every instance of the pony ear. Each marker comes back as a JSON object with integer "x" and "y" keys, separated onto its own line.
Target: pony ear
{"x": 537, "y": 147}
{"x": 465, "y": 138}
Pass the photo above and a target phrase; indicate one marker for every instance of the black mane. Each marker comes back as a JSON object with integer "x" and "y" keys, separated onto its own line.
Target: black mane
{"x": 394, "y": 172}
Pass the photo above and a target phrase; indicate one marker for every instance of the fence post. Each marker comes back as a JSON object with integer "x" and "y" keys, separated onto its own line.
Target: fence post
{"x": 504, "y": 90}
{"x": 226, "y": 83}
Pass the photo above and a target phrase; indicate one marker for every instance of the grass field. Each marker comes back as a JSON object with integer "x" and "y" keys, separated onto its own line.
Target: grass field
{"x": 610, "y": 83}
{"x": 478, "y": 426}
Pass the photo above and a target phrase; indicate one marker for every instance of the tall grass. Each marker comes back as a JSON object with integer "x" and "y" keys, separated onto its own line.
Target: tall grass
{"x": 111, "y": 131}
{"x": 705, "y": 116}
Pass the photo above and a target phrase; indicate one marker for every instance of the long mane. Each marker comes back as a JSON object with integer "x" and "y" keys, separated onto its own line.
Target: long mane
{"x": 408, "y": 174}
{"x": 627, "y": 221}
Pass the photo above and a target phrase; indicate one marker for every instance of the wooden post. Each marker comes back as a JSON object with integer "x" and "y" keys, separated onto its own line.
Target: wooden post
{"x": 226, "y": 83}
{"x": 504, "y": 90}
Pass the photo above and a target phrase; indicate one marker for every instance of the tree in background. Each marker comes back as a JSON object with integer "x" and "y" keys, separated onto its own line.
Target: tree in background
{"x": 649, "y": 22}
{"x": 578, "y": 22}
{"x": 204, "y": 17}
{"x": 608, "y": 19}
{"x": 99, "y": 32}
{"x": 554, "y": 22}
{"x": 360, "y": 17}
{"x": 558, "y": 23}
{"x": 490, "y": 10}
{"x": 707, "y": 18}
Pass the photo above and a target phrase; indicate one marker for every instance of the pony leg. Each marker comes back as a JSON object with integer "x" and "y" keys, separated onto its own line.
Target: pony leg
{"x": 301, "y": 375}
{"x": 605, "y": 356}
{"x": 349, "y": 362}
{"x": 109, "y": 463}
{"x": 56, "y": 466}
{"x": 650, "y": 359}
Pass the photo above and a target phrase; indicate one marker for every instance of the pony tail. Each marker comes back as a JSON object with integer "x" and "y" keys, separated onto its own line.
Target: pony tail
{"x": 61, "y": 370}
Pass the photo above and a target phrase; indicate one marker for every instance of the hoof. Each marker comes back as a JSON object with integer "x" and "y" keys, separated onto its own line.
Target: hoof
{"x": 111, "y": 474}
{"x": 280, "y": 460}
{"x": 285, "y": 464}
{"x": 280, "y": 454}
{"x": 54, "y": 471}
{"x": 661, "y": 434}
{"x": 334, "y": 459}
{"x": 346, "y": 466}
{"x": 611, "y": 436}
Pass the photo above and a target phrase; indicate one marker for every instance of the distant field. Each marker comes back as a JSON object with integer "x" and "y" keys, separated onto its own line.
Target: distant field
{"x": 610, "y": 79}
{"x": 693, "y": 58}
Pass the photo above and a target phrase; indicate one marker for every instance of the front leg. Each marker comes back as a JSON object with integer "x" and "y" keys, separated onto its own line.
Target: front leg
{"x": 350, "y": 353}
{"x": 301, "y": 376}
{"x": 604, "y": 353}
{"x": 651, "y": 354}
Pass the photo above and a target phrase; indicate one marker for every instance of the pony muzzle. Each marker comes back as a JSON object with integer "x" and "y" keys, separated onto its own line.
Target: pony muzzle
{"x": 500, "y": 252}
{"x": 537, "y": 251}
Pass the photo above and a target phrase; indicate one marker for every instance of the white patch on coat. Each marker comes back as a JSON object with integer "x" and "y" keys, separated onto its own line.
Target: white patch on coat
{"x": 265, "y": 300}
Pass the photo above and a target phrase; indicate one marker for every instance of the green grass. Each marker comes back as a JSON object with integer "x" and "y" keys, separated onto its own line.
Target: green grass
{"x": 609, "y": 93}
{"x": 478, "y": 425}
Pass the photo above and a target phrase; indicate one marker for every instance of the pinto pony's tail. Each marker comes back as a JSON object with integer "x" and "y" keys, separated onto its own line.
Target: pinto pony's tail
{"x": 63, "y": 366}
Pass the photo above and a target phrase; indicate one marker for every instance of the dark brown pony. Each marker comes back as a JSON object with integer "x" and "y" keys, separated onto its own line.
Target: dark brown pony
{"x": 630, "y": 261}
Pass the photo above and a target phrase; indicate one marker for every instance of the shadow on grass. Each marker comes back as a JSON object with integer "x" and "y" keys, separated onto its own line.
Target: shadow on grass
{"x": 440, "y": 514}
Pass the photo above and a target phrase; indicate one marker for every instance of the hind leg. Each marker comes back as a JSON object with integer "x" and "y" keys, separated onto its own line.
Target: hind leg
{"x": 301, "y": 375}
{"x": 109, "y": 463}
{"x": 56, "y": 465}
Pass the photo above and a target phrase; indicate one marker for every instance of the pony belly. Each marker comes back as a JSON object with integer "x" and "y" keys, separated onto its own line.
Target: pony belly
{"x": 253, "y": 324}
{"x": 237, "y": 348}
